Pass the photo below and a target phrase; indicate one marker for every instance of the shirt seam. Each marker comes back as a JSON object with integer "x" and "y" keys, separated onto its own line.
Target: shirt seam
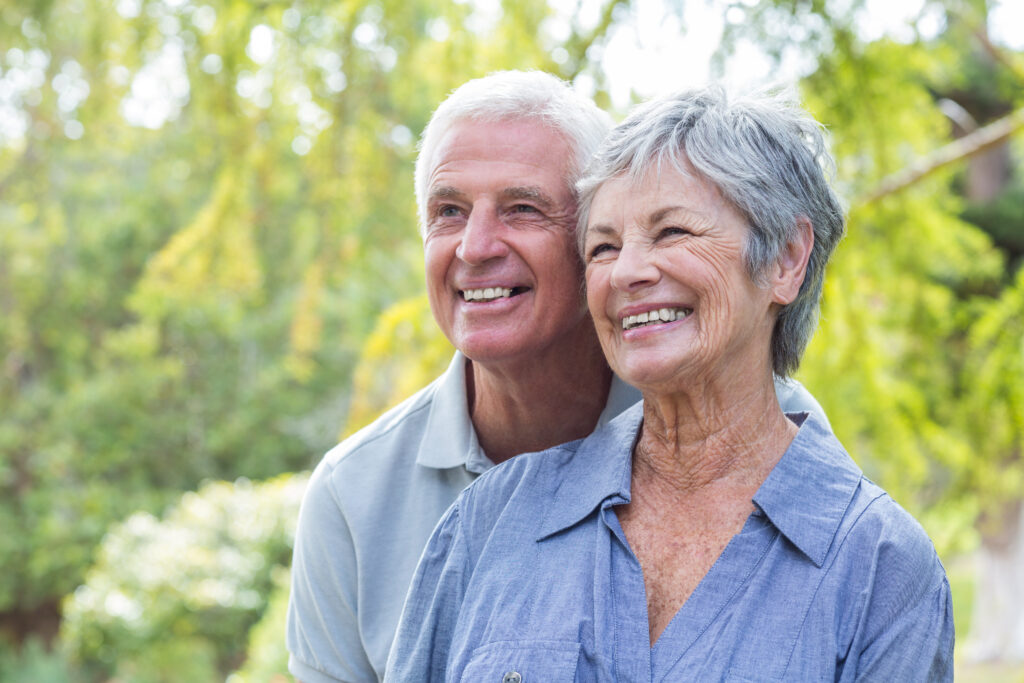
{"x": 826, "y": 570}
{"x": 378, "y": 435}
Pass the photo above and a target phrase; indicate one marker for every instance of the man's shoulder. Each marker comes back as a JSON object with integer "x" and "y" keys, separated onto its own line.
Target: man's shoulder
{"x": 381, "y": 451}
{"x": 379, "y": 438}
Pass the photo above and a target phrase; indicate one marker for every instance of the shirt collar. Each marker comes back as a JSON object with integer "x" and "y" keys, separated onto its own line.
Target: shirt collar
{"x": 807, "y": 493}
{"x": 805, "y": 496}
{"x": 449, "y": 439}
{"x": 620, "y": 397}
{"x": 598, "y": 471}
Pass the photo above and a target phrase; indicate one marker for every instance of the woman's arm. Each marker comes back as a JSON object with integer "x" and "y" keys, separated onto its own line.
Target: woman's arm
{"x": 427, "y": 627}
{"x": 916, "y": 646}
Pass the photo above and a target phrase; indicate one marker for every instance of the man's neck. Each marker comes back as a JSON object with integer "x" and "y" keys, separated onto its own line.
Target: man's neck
{"x": 540, "y": 402}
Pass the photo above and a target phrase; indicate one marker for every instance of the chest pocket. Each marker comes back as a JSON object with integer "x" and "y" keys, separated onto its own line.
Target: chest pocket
{"x": 523, "y": 661}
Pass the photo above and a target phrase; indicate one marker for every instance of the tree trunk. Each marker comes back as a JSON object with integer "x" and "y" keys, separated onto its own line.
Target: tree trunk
{"x": 997, "y": 618}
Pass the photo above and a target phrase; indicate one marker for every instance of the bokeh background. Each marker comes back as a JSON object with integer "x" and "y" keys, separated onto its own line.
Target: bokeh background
{"x": 210, "y": 272}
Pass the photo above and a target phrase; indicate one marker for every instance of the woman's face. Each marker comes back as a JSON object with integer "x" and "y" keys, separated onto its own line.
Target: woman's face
{"x": 667, "y": 286}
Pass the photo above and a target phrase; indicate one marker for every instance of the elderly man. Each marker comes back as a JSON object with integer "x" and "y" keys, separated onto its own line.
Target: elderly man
{"x": 494, "y": 185}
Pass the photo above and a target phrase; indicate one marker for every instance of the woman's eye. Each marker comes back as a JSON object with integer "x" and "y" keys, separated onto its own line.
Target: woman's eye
{"x": 673, "y": 231}
{"x": 599, "y": 249}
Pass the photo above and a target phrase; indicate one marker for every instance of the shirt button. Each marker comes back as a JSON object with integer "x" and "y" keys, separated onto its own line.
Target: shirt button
{"x": 512, "y": 677}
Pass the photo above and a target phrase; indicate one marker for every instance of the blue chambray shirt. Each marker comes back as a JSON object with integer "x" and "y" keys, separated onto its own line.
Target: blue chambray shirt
{"x": 529, "y": 578}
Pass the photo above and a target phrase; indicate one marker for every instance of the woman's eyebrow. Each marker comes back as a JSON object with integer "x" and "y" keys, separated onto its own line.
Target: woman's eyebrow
{"x": 601, "y": 229}
{"x": 686, "y": 212}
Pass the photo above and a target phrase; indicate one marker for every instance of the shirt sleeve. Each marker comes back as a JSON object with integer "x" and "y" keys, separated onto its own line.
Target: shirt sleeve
{"x": 794, "y": 398}
{"x": 427, "y": 627}
{"x": 323, "y": 638}
{"x": 917, "y": 646}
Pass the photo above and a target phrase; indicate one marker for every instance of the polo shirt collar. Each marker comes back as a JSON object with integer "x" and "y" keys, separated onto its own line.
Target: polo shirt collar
{"x": 600, "y": 470}
{"x": 807, "y": 493}
{"x": 620, "y": 397}
{"x": 805, "y": 496}
{"x": 449, "y": 439}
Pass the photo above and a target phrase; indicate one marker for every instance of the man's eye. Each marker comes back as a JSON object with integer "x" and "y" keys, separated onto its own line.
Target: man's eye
{"x": 524, "y": 208}
{"x": 448, "y": 211}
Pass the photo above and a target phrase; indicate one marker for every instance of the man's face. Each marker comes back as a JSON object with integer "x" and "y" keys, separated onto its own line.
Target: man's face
{"x": 503, "y": 277}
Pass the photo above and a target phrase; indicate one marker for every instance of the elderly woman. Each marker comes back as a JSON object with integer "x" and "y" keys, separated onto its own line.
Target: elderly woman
{"x": 704, "y": 534}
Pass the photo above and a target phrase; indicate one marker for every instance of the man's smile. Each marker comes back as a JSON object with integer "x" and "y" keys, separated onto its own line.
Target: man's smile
{"x": 485, "y": 294}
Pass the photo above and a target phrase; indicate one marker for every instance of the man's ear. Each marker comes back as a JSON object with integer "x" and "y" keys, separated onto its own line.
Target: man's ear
{"x": 788, "y": 273}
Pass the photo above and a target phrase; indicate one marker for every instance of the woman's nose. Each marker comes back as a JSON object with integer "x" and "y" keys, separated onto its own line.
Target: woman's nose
{"x": 634, "y": 268}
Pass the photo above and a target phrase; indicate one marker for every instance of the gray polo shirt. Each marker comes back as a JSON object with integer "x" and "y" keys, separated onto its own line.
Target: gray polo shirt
{"x": 371, "y": 505}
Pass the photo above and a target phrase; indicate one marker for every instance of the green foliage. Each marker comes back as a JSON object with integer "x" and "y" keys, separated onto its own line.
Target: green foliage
{"x": 34, "y": 662}
{"x": 387, "y": 372}
{"x": 172, "y": 599}
{"x": 266, "y": 659}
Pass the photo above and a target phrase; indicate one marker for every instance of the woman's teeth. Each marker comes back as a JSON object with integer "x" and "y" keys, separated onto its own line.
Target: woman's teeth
{"x": 658, "y": 315}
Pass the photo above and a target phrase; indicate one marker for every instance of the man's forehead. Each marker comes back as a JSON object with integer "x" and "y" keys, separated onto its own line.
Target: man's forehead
{"x": 504, "y": 140}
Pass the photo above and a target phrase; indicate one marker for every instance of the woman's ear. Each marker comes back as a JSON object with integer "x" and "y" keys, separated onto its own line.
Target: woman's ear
{"x": 789, "y": 270}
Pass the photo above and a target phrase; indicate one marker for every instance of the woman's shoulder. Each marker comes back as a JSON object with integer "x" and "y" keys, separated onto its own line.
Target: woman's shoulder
{"x": 884, "y": 531}
{"x": 874, "y": 531}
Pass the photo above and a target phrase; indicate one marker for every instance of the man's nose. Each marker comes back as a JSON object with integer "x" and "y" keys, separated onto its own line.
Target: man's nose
{"x": 634, "y": 268}
{"x": 483, "y": 238}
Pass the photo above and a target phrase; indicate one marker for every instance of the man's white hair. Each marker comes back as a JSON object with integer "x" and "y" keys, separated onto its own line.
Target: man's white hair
{"x": 515, "y": 96}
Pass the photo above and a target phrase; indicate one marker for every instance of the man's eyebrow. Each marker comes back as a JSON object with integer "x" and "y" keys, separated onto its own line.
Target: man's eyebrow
{"x": 530, "y": 192}
{"x": 444, "y": 192}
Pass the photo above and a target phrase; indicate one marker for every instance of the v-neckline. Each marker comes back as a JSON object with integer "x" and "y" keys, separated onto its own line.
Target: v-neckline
{"x": 729, "y": 573}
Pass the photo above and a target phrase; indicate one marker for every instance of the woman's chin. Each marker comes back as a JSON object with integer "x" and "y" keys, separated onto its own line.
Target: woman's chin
{"x": 658, "y": 377}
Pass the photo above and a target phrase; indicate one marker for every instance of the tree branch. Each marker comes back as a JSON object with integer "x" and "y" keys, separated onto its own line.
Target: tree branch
{"x": 578, "y": 45}
{"x": 968, "y": 146}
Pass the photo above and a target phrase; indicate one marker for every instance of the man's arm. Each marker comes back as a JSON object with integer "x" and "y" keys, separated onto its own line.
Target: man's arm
{"x": 324, "y": 642}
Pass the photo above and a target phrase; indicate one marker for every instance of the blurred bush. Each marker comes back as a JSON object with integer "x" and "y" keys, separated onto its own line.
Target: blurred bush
{"x": 173, "y": 599}
{"x": 266, "y": 660}
{"x": 33, "y": 661}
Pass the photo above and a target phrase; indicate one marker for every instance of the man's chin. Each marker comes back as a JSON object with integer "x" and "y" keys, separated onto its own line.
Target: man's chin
{"x": 496, "y": 349}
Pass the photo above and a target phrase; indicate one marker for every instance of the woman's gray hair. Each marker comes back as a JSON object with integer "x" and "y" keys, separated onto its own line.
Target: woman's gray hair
{"x": 766, "y": 156}
{"x": 509, "y": 96}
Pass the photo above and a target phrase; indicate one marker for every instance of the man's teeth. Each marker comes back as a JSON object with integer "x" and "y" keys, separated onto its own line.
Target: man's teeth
{"x": 486, "y": 294}
{"x": 658, "y": 315}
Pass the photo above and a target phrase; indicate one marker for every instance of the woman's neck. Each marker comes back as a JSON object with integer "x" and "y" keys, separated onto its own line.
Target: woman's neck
{"x": 712, "y": 433}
